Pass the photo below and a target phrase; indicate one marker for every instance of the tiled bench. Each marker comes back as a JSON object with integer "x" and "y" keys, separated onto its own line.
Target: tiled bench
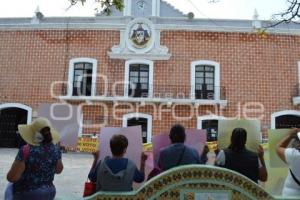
{"x": 193, "y": 182}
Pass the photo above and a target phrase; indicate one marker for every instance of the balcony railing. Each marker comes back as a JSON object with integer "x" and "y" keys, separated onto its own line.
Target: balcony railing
{"x": 155, "y": 92}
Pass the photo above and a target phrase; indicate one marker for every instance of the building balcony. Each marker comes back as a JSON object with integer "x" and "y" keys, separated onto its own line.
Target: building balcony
{"x": 157, "y": 93}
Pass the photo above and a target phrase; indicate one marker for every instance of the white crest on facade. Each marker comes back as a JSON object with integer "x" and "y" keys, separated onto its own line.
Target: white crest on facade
{"x": 140, "y": 40}
{"x": 139, "y": 35}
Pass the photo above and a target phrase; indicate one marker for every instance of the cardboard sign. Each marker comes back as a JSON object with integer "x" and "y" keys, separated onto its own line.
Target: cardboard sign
{"x": 134, "y": 136}
{"x": 254, "y": 136}
{"x": 274, "y": 136}
{"x": 88, "y": 145}
{"x": 65, "y": 118}
{"x": 194, "y": 138}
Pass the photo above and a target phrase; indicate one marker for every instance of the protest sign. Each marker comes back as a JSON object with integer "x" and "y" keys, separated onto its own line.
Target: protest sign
{"x": 225, "y": 128}
{"x": 86, "y": 144}
{"x": 194, "y": 138}
{"x": 134, "y": 136}
{"x": 65, "y": 118}
{"x": 274, "y": 136}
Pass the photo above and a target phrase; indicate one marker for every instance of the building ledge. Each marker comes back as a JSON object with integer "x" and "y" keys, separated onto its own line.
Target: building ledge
{"x": 149, "y": 56}
{"x": 146, "y": 100}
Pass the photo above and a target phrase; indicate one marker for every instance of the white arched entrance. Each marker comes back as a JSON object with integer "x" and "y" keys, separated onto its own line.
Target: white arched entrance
{"x": 21, "y": 106}
{"x": 12, "y": 115}
{"x": 286, "y": 113}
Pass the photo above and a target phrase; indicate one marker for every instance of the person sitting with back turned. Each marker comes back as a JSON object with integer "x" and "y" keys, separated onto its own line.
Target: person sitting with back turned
{"x": 117, "y": 173}
{"x": 237, "y": 158}
{"x": 177, "y": 153}
{"x": 32, "y": 172}
{"x": 291, "y": 156}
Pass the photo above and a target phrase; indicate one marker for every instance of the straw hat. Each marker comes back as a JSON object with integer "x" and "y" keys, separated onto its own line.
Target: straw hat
{"x": 28, "y": 132}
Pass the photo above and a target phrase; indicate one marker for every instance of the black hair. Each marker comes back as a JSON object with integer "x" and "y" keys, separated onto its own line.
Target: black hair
{"x": 118, "y": 144}
{"x": 295, "y": 143}
{"x": 46, "y": 133}
{"x": 177, "y": 134}
{"x": 238, "y": 139}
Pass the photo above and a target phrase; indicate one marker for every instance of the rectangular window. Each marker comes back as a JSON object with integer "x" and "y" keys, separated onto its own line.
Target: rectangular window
{"x": 138, "y": 80}
{"x": 82, "y": 79}
{"x": 204, "y": 82}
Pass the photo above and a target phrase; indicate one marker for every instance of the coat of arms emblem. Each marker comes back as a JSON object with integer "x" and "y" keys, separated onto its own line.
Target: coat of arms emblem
{"x": 140, "y": 35}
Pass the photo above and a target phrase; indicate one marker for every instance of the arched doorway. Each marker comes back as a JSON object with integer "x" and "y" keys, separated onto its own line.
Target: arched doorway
{"x": 210, "y": 124}
{"x": 144, "y": 120}
{"x": 11, "y": 115}
{"x": 285, "y": 119}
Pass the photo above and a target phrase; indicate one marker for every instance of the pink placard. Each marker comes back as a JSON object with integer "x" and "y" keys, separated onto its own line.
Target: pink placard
{"x": 194, "y": 138}
{"x": 65, "y": 118}
{"x": 134, "y": 136}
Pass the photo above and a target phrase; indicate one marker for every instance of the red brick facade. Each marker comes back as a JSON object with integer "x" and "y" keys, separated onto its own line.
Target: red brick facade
{"x": 253, "y": 68}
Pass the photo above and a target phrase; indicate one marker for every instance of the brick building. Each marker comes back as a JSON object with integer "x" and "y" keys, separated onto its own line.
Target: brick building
{"x": 149, "y": 65}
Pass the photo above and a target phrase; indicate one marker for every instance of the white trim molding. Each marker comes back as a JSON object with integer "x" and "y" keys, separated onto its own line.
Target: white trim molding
{"x": 200, "y": 119}
{"x": 126, "y": 78}
{"x": 281, "y": 113}
{"x": 71, "y": 74}
{"x": 21, "y": 106}
{"x": 140, "y": 115}
{"x": 155, "y": 8}
{"x": 217, "y": 86}
{"x": 145, "y": 100}
{"x": 127, "y": 8}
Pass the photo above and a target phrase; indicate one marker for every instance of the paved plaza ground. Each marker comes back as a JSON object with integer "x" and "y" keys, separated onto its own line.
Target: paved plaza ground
{"x": 69, "y": 184}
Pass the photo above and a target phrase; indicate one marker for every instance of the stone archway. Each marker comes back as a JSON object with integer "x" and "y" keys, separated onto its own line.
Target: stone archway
{"x": 11, "y": 115}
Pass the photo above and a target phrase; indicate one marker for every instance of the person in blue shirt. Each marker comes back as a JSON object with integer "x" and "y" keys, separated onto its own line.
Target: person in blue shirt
{"x": 177, "y": 153}
{"x": 116, "y": 173}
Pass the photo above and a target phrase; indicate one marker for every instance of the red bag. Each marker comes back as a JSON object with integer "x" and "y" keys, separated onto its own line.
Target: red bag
{"x": 89, "y": 188}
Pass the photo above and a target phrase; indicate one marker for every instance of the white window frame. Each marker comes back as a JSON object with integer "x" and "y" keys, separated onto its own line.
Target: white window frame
{"x": 21, "y": 106}
{"x": 126, "y": 78}
{"x": 71, "y": 74}
{"x": 281, "y": 113}
{"x": 216, "y": 65}
{"x": 140, "y": 115}
{"x": 200, "y": 119}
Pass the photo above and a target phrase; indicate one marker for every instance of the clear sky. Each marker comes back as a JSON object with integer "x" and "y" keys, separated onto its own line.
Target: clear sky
{"x": 227, "y": 9}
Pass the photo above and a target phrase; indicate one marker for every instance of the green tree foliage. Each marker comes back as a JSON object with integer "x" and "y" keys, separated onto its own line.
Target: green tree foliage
{"x": 106, "y": 5}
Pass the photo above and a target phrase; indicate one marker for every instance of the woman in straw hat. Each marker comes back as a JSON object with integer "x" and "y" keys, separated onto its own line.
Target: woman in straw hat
{"x": 33, "y": 170}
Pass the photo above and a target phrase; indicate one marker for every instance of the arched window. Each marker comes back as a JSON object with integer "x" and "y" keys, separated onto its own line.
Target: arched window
{"x": 210, "y": 124}
{"x": 285, "y": 119}
{"x": 82, "y": 77}
{"x": 205, "y": 80}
